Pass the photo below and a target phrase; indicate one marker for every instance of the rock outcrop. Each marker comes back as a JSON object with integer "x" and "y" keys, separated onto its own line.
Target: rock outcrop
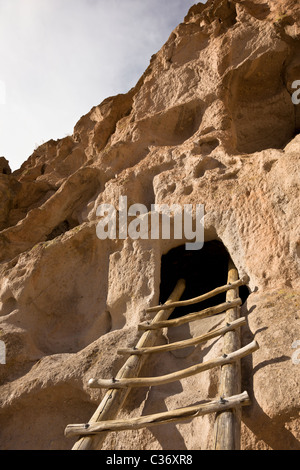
{"x": 212, "y": 122}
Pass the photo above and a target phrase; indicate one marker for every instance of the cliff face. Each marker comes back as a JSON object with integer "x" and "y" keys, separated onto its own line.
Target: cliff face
{"x": 212, "y": 121}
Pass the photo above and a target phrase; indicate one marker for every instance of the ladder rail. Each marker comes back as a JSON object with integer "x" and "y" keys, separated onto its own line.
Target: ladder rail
{"x": 115, "y": 399}
{"x": 227, "y": 428}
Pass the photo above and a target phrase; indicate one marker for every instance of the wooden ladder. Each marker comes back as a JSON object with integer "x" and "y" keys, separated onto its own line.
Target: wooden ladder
{"x": 227, "y": 407}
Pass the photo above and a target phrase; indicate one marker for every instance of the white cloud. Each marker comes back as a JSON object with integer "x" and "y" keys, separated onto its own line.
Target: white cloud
{"x": 61, "y": 57}
{"x": 2, "y": 92}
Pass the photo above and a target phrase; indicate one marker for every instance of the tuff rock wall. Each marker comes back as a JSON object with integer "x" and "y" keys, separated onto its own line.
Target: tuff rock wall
{"x": 210, "y": 122}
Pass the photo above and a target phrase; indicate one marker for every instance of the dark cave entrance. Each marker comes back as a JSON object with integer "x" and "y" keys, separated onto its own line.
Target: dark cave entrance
{"x": 203, "y": 270}
{"x": 297, "y": 132}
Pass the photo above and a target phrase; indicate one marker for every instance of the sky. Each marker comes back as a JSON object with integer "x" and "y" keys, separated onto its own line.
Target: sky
{"x": 59, "y": 58}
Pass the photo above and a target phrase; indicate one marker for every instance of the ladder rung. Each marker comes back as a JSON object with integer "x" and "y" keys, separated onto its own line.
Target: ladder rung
{"x": 200, "y": 298}
{"x": 191, "y": 316}
{"x": 196, "y": 369}
{"x": 185, "y": 343}
{"x": 180, "y": 414}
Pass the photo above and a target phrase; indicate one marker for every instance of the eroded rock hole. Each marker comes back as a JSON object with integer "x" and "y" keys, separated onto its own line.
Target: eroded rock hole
{"x": 259, "y": 11}
{"x": 62, "y": 228}
{"x": 203, "y": 270}
{"x": 8, "y": 306}
{"x": 226, "y": 13}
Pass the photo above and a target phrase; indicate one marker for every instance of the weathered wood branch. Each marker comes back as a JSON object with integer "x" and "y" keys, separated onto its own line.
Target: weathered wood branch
{"x": 191, "y": 316}
{"x": 164, "y": 379}
{"x": 228, "y": 423}
{"x": 114, "y": 399}
{"x": 201, "y": 298}
{"x": 188, "y": 342}
{"x": 180, "y": 414}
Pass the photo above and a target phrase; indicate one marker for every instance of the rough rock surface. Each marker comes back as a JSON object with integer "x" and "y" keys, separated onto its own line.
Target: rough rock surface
{"x": 211, "y": 121}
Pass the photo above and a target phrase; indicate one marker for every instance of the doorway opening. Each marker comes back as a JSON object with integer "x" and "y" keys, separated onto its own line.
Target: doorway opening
{"x": 203, "y": 271}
